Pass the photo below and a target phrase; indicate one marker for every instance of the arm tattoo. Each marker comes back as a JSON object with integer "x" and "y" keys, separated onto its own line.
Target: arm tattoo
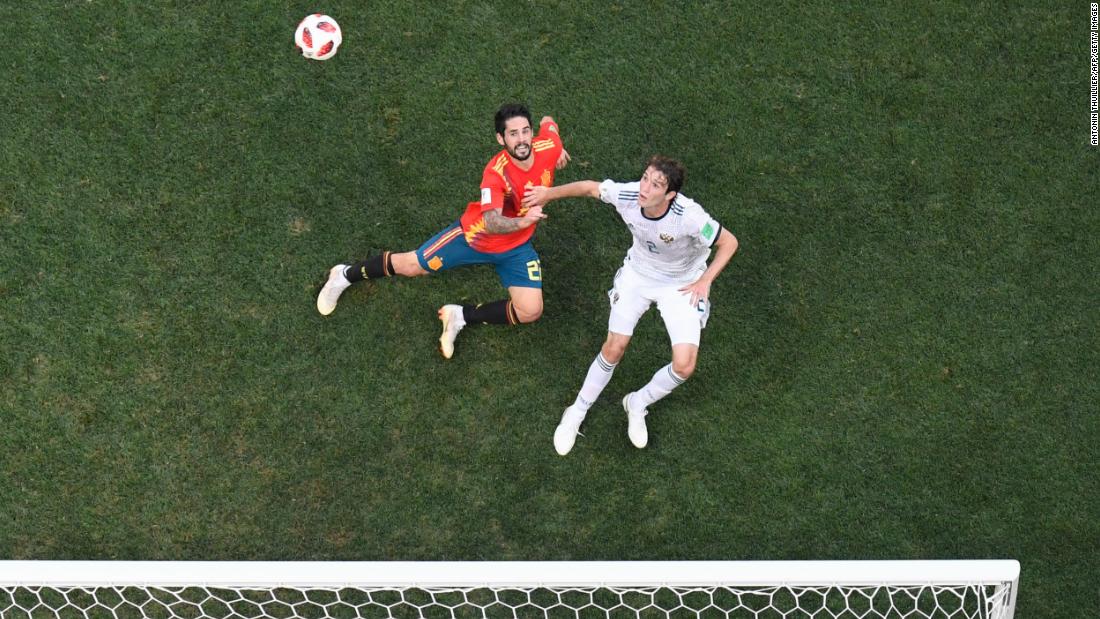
{"x": 497, "y": 223}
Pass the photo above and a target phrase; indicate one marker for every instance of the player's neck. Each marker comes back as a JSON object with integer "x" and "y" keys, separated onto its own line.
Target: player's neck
{"x": 524, "y": 165}
{"x": 658, "y": 211}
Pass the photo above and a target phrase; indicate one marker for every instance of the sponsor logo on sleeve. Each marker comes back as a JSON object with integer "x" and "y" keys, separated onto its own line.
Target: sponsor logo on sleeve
{"x": 709, "y": 231}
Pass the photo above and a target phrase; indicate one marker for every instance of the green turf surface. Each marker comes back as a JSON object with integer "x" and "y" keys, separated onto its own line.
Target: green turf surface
{"x": 900, "y": 363}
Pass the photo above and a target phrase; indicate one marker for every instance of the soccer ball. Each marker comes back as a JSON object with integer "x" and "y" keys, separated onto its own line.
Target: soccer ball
{"x": 318, "y": 36}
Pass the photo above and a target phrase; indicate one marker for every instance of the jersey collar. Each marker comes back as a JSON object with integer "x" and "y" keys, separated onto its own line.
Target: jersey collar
{"x": 662, "y": 215}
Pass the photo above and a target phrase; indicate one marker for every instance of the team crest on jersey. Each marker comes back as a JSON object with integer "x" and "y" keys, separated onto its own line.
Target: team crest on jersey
{"x": 435, "y": 263}
{"x": 667, "y": 238}
{"x": 546, "y": 178}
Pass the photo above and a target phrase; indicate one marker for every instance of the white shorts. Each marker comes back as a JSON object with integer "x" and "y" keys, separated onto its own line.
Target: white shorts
{"x": 633, "y": 294}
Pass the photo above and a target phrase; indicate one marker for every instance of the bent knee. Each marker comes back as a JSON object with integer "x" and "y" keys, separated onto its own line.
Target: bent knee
{"x": 529, "y": 312}
{"x": 613, "y": 350}
{"x": 406, "y": 265}
{"x": 411, "y": 271}
{"x": 684, "y": 369}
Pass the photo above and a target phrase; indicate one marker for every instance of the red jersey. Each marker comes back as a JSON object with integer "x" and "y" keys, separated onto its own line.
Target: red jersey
{"x": 502, "y": 187}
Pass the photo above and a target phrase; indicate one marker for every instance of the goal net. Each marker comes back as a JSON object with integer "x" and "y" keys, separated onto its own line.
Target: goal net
{"x": 510, "y": 590}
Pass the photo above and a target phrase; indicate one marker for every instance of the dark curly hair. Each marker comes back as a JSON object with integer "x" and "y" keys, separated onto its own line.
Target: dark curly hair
{"x": 672, "y": 169}
{"x": 509, "y": 111}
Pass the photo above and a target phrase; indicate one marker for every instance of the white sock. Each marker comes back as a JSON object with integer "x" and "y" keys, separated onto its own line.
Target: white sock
{"x": 599, "y": 374}
{"x": 662, "y": 384}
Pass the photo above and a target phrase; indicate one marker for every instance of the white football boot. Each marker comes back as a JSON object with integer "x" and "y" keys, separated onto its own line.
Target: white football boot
{"x": 635, "y": 424}
{"x": 334, "y": 287}
{"x": 451, "y": 316}
{"x": 568, "y": 429}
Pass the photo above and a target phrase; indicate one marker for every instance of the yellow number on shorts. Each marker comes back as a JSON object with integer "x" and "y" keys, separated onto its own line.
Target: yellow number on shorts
{"x": 534, "y": 273}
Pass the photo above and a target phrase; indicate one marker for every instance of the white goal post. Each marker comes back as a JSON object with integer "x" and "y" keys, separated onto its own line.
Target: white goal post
{"x": 488, "y": 590}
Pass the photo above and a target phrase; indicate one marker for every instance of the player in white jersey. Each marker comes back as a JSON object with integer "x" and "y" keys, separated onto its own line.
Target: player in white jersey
{"x": 666, "y": 265}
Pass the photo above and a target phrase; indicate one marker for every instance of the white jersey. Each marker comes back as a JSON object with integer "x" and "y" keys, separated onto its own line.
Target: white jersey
{"x": 671, "y": 249}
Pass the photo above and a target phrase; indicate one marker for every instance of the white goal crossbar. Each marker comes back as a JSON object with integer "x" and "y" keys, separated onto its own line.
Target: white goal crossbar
{"x": 547, "y": 589}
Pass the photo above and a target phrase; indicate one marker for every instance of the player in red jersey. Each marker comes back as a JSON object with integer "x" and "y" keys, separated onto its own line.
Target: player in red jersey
{"x": 496, "y": 230}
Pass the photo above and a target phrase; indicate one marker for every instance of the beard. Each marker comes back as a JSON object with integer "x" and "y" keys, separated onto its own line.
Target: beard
{"x": 521, "y": 152}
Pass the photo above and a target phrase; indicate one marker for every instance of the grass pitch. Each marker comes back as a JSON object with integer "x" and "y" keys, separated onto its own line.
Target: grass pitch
{"x": 900, "y": 363}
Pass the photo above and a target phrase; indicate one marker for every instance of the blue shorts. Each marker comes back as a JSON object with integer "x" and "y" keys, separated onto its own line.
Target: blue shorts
{"x": 518, "y": 266}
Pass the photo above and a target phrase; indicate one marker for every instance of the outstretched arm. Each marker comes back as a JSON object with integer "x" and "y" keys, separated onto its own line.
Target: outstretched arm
{"x": 700, "y": 288}
{"x": 539, "y": 196}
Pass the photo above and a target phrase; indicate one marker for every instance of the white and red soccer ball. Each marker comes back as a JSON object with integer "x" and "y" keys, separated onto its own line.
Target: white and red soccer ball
{"x": 318, "y": 36}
